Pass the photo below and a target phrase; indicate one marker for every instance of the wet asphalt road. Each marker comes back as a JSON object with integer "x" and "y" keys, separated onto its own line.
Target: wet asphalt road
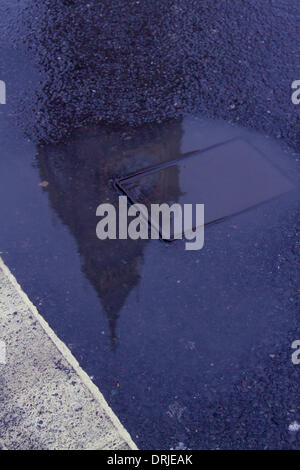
{"x": 187, "y": 348}
{"x": 135, "y": 62}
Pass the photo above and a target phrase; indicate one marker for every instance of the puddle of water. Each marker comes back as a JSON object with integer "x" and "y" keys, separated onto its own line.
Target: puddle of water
{"x": 167, "y": 326}
{"x": 227, "y": 178}
{"x": 167, "y": 335}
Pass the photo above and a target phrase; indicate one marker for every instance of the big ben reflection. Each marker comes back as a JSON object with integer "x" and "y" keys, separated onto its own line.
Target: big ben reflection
{"x": 80, "y": 173}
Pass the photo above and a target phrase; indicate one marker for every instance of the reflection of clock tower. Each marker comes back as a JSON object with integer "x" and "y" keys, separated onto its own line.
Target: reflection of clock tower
{"x": 80, "y": 175}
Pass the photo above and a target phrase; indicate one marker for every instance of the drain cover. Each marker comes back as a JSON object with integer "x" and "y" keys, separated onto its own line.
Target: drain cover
{"x": 227, "y": 178}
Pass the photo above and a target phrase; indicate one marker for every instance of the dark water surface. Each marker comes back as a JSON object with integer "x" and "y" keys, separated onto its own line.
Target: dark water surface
{"x": 187, "y": 347}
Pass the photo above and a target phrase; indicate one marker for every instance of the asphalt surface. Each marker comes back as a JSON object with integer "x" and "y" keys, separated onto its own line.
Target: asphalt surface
{"x": 135, "y": 62}
{"x": 190, "y": 350}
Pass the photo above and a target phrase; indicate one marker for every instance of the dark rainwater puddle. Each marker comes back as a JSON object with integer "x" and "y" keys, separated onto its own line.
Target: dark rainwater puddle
{"x": 168, "y": 335}
{"x": 179, "y": 342}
